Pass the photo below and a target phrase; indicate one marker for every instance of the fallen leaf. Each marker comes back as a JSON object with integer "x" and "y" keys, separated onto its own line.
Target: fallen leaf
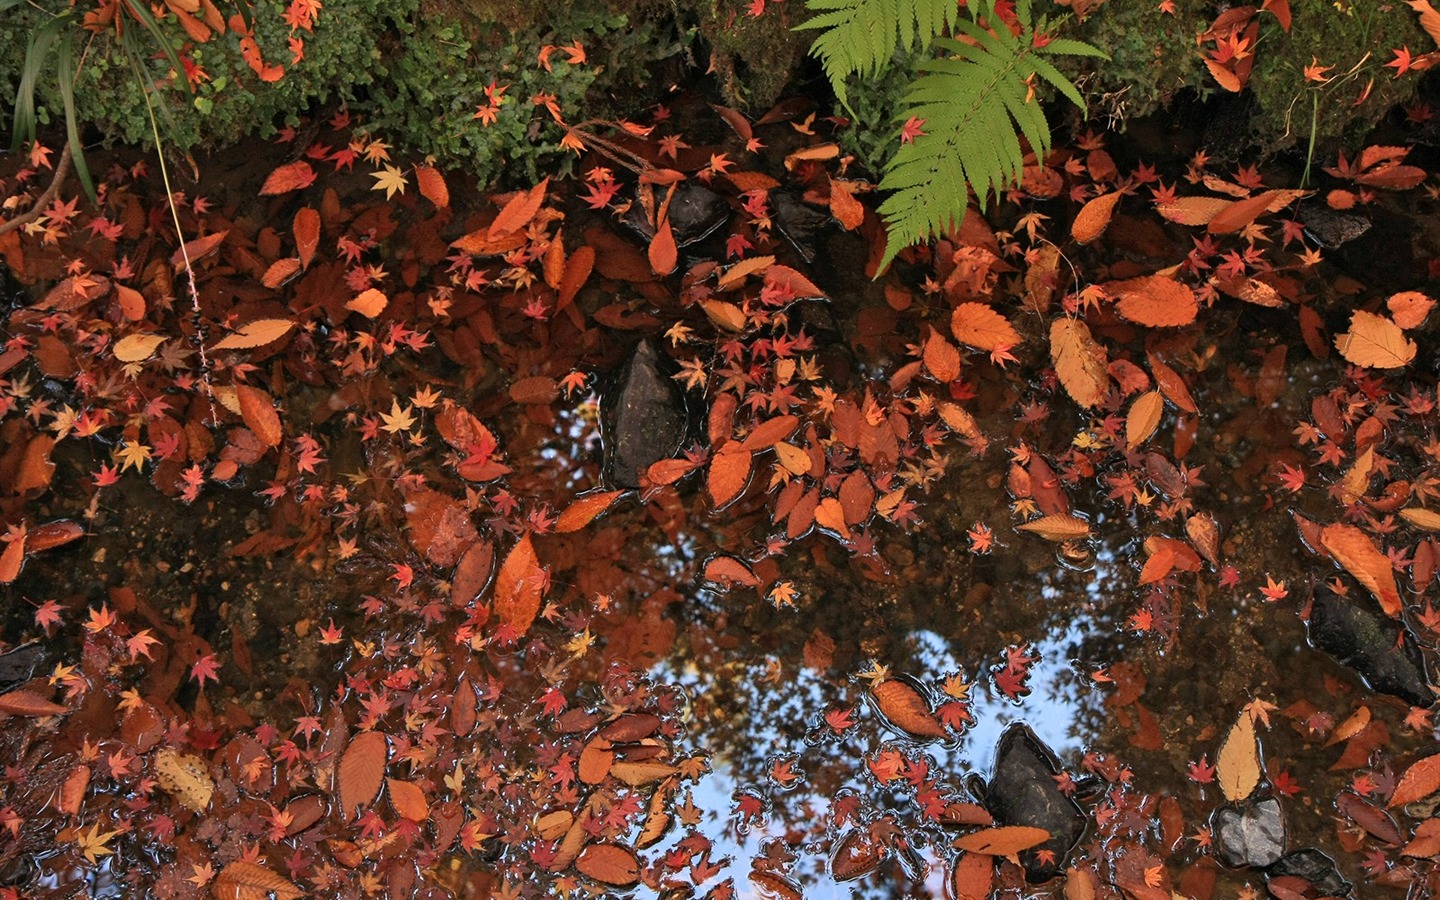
{"x": 972, "y": 876}
{"x": 369, "y": 303}
{"x": 519, "y": 211}
{"x": 1421, "y": 518}
{"x": 1080, "y": 363}
{"x": 1154, "y": 300}
{"x": 1375, "y": 342}
{"x": 729, "y": 472}
{"x": 518, "y": 587}
{"x": 306, "y": 229}
{"x": 1094, "y": 218}
{"x": 1192, "y": 210}
{"x": 1143, "y": 418}
{"x": 1057, "y": 527}
{"x": 255, "y": 334}
{"x": 292, "y": 176}
{"x": 1237, "y": 767}
{"x": 662, "y": 253}
{"x": 408, "y": 798}
{"x": 133, "y": 348}
{"x": 583, "y": 510}
{"x": 610, "y": 864}
{"x": 1353, "y": 549}
{"x": 941, "y": 358}
{"x": 1409, "y": 309}
{"x": 906, "y": 709}
{"x": 978, "y": 325}
{"x": 1002, "y": 840}
{"x": 244, "y": 880}
{"x": 432, "y": 186}
{"x": 362, "y": 771}
{"x": 258, "y": 411}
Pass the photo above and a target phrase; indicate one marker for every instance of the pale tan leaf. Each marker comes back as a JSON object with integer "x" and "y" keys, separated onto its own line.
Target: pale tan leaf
{"x": 1421, "y": 518}
{"x": 1354, "y": 550}
{"x": 133, "y": 348}
{"x": 255, "y": 334}
{"x": 1375, "y": 342}
{"x": 1237, "y": 767}
{"x": 1144, "y": 418}
{"x": 1057, "y": 527}
{"x": 978, "y": 325}
{"x": 1080, "y": 362}
{"x": 1094, "y": 218}
{"x": 184, "y": 777}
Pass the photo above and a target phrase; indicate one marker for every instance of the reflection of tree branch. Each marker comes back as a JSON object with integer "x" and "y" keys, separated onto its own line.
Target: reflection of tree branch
{"x": 62, "y": 170}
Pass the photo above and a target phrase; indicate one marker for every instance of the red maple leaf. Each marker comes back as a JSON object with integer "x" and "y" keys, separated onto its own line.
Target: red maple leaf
{"x": 47, "y": 614}
{"x": 205, "y": 667}
{"x": 1202, "y": 772}
{"x": 911, "y": 130}
{"x": 839, "y": 719}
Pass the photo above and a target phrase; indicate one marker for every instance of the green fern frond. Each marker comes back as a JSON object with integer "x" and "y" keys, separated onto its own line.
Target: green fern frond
{"x": 976, "y": 102}
{"x": 861, "y": 36}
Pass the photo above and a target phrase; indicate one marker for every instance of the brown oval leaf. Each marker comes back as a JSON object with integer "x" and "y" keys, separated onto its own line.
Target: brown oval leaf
{"x": 258, "y": 411}
{"x": 972, "y": 876}
{"x": 609, "y": 864}
{"x": 906, "y": 709}
{"x": 1080, "y": 363}
{"x": 1237, "y": 767}
{"x": 1192, "y": 210}
{"x": 662, "y": 253}
{"x": 255, "y": 334}
{"x": 408, "y": 799}
{"x": 280, "y": 272}
{"x": 1094, "y": 218}
{"x": 23, "y": 702}
{"x": 1143, "y": 419}
{"x": 941, "y": 358}
{"x": 289, "y": 177}
{"x": 770, "y": 432}
{"x": 584, "y": 510}
{"x": 1057, "y": 527}
{"x": 1002, "y": 840}
{"x": 518, "y": 587}
{"x": 306, "y": 230}
{"x": 1353, "y": 549}
{"x": 432, "y": 186}
{"x": 729, "y": 472}
{"x": 1419, "y": 781}
{"x": 242, "y": 880}
{"x": 519, "y": 211}
{"x": 362, "y": 771}
{"x": 977, "y": 325}
{"x": 1155, "y": 301}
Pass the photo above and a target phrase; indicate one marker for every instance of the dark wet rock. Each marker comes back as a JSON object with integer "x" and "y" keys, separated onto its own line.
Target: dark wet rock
{"x": 1358, "y": 634}
{"x": 695, "y": 212}
{"x": 1023, "y": 791}
{"x": 1312, "y": 866}
{"x": 801, "y": 223}
{"x": 1251, "y": 833}
{"x": 1383, "y": 258}
{"x": 19, "y": 665}
{"x": 1332, "y": 227}
{"x": 643, "y": 416}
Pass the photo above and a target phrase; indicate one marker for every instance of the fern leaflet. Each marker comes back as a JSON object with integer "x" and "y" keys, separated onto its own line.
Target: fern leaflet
{"x": 860, "y": 36}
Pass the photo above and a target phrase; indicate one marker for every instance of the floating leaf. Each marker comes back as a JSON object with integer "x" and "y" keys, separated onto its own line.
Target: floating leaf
{"x": 848, "y": 211}
{"x": 1192, "y": 210}
{"x": 1353, "y": 549}
{"x": 519, "y": 211}
{"x": 1094, "y": 218}
{"x": 292, "y": 176}
{"x": 1418, "y": 782}
{"x": 907, "y": 710}
{"x": 1408, "y": 308}
{"x": 1058, "y": 527}
{"x": 255, "y": 334}
{"x": 1080, "y": 362}
{"x": 637, "y": 774}
{"x": 369, "y": 303}
{"x": 735, "y": 276}
{"x": 258, "y": 411}
{"x": 727, "y": 570}
{"x": 280, "y": 271}
{"x": 1002, "y": 840}
{"x": 972, "y": 876}
{"x": 306, "y": 229}
{"x": 432, "y": 186}
{"x": 244, "y": 880}
{"x": 584, "y": 510}
{"x": 1143, "y": 418}
{"x": 1154, "y": 300}
{"x": 1421, "y": 518}
{"x": 942, "y": 360}
{"x": 770, "y": 432}
{"x": 1237, "y": 768}
{"x": 979, "y": 326}
{"x": 1375, "y": 342}
{"x": 518, "y": 587}
{"x": 729, "y": 472}
{"x": 133, "y": 348}
{"x": 609, "y": 864}
{"x": 408, "y": 799}
{"x": 362, "y": 771}
{"x": 662, "y": 253}
{"x": 24, "y": 702}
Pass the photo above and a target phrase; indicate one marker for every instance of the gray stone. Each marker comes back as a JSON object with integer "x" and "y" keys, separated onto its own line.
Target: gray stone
{"x": 643, "y": 416}
{"x": 1023, "y": 791}
{"x": 1357, "y": 633}
{"x": 1251, "y": 833}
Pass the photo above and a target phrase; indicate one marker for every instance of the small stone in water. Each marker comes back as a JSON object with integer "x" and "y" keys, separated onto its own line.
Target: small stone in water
{"x": 1023, "y": 791}
{"x": 643, "y": 416}
{"x": 1251, "y": 833}
{"x": 1313, "y": 866}
{"x": 1357, "y": 634}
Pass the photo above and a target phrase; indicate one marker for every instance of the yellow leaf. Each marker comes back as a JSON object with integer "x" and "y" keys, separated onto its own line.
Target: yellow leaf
{"x": 1144, "y": 418}
{"x": 1058, "y": 527}
{"x": 369, "y": 303}
{"x": 391, "y": 180}
{"x": 1375, "y": 342}
{"x": 135, "y": 348}
{"x": 1421, "y": 518}
{"x": 255, "y": 334}
{"x": 1079, "y": 361}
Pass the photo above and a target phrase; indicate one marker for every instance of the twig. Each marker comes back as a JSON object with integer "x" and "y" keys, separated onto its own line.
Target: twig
{"x": 62, "y": 170}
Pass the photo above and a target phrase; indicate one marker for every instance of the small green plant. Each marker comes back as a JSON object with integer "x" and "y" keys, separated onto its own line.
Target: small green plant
{"x": 973, "y": 101}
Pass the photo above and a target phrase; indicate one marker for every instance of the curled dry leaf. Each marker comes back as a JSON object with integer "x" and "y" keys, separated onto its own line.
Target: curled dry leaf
{"x": 1057, "y": 527}
{"x": 133, "y": 348}
{"x": 1353, "y": 549}
{"x": 906, "y": 709}
{"x": 1375, "y": 342}
{"x": 1002, "y": 840}
{"x": 280, "y": 272}
{"x": 518, "y": 587}
{"x": 1094, "y": 218}
{"x": 1418, "y": 782}
{"x": 610, "y": 864}
{"x": 1080, "y": 363}
{"x": 362, "y": 771}
{"x": 255, "y": 334}
{"x": 1156, "y": 301}
{"x": 978, "y": 325}
{"x": 1143, "y": 418}
{"x": 1237, "y": 767}
{"x": 584, "y": 510}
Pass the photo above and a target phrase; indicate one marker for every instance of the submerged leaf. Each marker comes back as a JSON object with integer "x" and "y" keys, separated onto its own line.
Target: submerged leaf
{"x": 1237, "y": 768}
